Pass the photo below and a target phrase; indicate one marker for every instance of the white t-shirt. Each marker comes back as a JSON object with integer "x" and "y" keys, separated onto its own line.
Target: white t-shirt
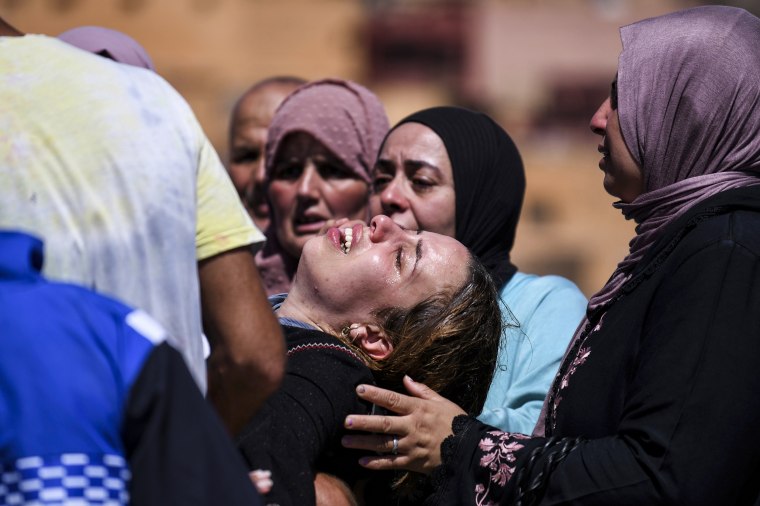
{"x": 108, "y": 165}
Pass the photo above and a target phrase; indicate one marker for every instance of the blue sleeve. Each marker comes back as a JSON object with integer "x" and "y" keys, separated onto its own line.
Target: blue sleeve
{"x": 548, "y": 309}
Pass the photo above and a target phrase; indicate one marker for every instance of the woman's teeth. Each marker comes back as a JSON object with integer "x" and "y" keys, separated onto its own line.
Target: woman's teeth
{"x": 348, "y": 239}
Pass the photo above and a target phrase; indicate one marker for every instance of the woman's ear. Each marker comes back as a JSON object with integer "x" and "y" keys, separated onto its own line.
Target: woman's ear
{"x": 371, "y": 339}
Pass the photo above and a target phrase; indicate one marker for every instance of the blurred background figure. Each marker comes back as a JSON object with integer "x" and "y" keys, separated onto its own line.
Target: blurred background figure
{"x": 109, "y": 43}
{"x": 537, "y": 68}
{"x": 322, "y": 144}
{"x": 247, "y": 140}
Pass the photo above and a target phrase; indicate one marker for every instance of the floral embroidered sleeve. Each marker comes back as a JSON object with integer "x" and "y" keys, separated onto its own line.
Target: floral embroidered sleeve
{"x": 484, "y": 466}
{"x": 479, "y": 464}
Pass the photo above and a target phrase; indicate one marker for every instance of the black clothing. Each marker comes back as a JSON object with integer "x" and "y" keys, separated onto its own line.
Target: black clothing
{"x": 661, "y": 388}
{"x": 177, "y": 448}
{"x": 297, "y": 432}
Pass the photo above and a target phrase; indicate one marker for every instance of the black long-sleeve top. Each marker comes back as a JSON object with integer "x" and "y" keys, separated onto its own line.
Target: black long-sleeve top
{"x": 658, "y": 399}
{"x": 298, "y": 430}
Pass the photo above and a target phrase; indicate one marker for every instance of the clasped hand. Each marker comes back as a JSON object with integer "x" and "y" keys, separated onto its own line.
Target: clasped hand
{"x": 423, "y": 423}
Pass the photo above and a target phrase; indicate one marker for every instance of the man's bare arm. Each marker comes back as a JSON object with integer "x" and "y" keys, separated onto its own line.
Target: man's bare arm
{"x": 247, "y": 347}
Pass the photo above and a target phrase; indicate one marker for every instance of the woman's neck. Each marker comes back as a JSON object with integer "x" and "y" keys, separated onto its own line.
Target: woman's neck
{"x": 295, "y": 308}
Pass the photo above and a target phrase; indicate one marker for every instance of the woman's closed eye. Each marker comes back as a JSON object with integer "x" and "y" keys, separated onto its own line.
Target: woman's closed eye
{"x": 422, "y": 183}
{"x": 401, "y": 257}
{"x": 422, "y": 176}
{"x": 380, "y": 181}
{"x": 399, "y": 254}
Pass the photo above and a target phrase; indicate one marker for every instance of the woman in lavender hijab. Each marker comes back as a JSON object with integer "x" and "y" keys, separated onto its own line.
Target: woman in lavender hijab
{"x": 656, "y": 399}
{"x": 320, "y": 147}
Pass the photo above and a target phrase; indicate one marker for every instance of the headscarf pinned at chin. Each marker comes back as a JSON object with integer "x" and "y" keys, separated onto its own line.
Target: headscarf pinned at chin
{"x": 689, "y": 107}
{"x": 350, "y": 121}
{"x": 489, "y": 183}
{"x": 347, "y": 118}
{"x": 109, "y": 43}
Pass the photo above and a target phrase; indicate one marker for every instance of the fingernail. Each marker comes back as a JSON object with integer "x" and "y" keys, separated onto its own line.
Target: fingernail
{"x": 349, "y": 422}
{"x": 345, "y": 441}
{"x": 409, "y": 378}
{"x": 363, "y": 461}
{"x": 360, "y": 389}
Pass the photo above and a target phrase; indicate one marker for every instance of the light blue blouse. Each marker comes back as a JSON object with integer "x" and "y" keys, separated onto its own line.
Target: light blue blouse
{"x": 548, "y": 309}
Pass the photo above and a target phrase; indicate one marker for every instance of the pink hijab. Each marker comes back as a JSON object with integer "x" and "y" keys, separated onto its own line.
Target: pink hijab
{"x": 689, "y": 106}
{"x": 109, "y": 43}
{"x": 347, "y": 119}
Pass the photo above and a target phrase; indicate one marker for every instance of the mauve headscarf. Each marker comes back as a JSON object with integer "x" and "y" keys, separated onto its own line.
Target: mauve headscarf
{"x": 350, "y": 121}
{"x": 119, "y": 46}
{"x": 688, "y": 91}
{"x": 345, "y": 117}
{"x": 689, "y": 106}
{"x": 489, "y": 183}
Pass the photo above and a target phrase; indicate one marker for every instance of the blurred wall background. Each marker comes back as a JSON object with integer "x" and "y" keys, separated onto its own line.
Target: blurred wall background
{"x": 539, "y": 67}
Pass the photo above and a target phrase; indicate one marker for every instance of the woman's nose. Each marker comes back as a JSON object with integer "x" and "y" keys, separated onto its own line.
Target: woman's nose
{"x": 598, "y": 123}
{"x": 258, "y": 172}
{"x": 383, "y": 228}
{"x": 393, "y": 200}
{"x": 308, "y": 181}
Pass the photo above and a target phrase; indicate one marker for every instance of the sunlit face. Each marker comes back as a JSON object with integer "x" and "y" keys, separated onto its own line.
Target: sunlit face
{"x": 248, "y": 136}
{"x": 622, "y": 175}
{"x": 385, "y": 266}
{"x": 309, "y": 186}
{"x": 412, "y": 181}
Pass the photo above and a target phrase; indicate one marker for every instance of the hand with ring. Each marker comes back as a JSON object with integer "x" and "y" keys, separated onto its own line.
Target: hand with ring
{"x": 411, "y": 441}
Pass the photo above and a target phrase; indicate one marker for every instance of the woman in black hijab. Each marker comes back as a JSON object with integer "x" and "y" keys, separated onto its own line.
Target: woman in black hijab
{"x": 454, "y": 171}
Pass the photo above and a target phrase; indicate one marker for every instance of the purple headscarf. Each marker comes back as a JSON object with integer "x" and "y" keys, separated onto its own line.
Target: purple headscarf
{"x": 688, "y": 91}
{"x": 689, "y": 106}
{"x": 350, "y": 121}
{"x": 109, "y": 43}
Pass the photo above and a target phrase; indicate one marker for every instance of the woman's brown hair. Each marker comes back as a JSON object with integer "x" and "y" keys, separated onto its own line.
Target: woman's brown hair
{"x": 450, "y": 342}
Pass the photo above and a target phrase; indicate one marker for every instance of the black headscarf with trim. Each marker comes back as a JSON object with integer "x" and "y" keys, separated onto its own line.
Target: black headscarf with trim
{"x": 489, "y": 183}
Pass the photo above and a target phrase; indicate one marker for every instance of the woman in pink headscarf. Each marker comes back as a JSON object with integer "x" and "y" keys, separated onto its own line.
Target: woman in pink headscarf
{"x": 656, "y": 399}
{"x": 321, "y": 145}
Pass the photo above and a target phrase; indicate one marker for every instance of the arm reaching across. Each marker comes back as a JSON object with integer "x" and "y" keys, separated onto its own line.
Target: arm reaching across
{"x": 247, "y": 348}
